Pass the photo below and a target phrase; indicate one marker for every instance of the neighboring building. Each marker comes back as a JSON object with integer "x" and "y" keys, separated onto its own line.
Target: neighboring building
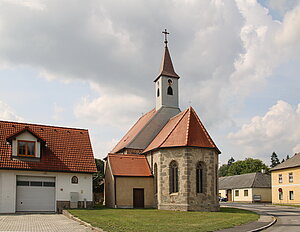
{"x": 286, "y": 181}
{"x": 250, "y": 187}
{"x": 44, "y": 168}
{"x": 167, "y": 160}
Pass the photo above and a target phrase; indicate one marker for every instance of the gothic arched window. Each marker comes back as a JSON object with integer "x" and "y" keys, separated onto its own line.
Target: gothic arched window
{"x": 74, "y": 180}
{"x": 158, "y": 92}
{"x": 173, "y": 177}
{"x": 155, "y": 177}
{"x": 170, "y": 91}
{"x": 200, "y": 177}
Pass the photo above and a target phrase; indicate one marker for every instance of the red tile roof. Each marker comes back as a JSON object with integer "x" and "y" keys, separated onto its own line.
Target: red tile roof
{"x": 66, "y": 150}
{"x": 134, "y": 130}
{"x": 184, "y": 129}
{"x": 166, "y": 68}
{"x": 129, "y": 165}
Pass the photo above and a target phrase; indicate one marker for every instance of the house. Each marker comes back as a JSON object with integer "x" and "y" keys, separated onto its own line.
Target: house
{"x": 167, "y": 160}
{"x": 286, "y": 181}
{"x": 250, "y": 187}
{"x": 44, "y": 168}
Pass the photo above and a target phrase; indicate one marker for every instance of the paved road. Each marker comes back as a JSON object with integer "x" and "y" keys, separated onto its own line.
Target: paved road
{"x": 40, "y": 223}
{"x": 288, "y": 218}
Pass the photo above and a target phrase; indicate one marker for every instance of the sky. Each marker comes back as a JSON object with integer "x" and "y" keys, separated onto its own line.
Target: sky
{"x": 91, "y": 64}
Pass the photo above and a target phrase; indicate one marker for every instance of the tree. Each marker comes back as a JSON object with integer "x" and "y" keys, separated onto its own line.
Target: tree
{"x": 231, "y": 161}
{"x": 287, "y": 157}
{"x": 274, "y": 160}
{"x": 282, "y": 160}
{"x": 98, "y": 176}
{"x": 223, "y": 170}
{"x": 248, "y": 165}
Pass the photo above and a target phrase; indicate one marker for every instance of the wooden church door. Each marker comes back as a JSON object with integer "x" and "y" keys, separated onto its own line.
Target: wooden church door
{"x": 138, "y": 198}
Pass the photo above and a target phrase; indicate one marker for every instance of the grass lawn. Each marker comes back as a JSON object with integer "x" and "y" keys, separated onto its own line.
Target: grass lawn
{"x": 115, "y": 220}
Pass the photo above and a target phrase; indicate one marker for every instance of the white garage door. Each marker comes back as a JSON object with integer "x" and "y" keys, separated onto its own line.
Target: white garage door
{"x": 35, "y": 193}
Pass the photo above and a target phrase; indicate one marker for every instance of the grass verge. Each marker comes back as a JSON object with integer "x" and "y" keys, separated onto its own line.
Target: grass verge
{"x": 117, "y": 220}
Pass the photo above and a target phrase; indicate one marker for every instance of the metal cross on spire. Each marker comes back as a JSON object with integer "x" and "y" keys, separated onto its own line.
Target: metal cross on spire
{"x": 166, "y": 38}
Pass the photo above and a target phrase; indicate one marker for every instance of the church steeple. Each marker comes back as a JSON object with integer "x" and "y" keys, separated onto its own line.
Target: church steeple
{"x": 166, "y": 83}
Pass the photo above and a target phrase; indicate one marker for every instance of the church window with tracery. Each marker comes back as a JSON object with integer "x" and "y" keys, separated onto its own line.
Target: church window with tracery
{"x": 200, "y": 177}
{"x": 155, "y": 177}
{"x": 173, "y": 177}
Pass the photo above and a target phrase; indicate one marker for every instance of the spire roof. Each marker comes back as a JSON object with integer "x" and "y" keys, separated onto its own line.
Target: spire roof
{"x": 166, "y": 68}
{"x": 184, "y": 129}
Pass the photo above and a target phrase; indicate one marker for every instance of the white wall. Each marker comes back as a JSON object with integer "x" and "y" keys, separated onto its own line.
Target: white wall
{"x": 164, "y": 99}
{"x": 63, "y": 187}
{"x": 29, "y": 137}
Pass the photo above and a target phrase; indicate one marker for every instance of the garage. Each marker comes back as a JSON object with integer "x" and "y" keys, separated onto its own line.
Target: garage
{"x": 35, "y": 194}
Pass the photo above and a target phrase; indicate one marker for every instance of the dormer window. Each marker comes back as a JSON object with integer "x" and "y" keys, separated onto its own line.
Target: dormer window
{"x": 26, "y": 148}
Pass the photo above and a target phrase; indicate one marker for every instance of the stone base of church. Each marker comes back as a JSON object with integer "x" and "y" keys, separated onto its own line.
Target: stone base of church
{"x": 186, "y": 207}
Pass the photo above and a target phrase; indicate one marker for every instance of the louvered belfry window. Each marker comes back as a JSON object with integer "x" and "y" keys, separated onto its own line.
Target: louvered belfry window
{"x": 173, "y": 177}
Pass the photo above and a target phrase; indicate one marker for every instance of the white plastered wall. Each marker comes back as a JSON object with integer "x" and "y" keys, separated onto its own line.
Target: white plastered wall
{"x": 28, "y": 137}
{"x": 164, "y": 99}
{"x": 63, "y": 187}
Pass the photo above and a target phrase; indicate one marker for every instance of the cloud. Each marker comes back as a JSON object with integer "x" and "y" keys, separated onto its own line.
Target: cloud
{"x": 118, "y": 110}
{"x": 278, "y": 130}
{"x": 6, "y": 113}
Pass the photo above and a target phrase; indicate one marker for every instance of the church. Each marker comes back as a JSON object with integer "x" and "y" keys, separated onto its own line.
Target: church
{"x": 167, "y": 160}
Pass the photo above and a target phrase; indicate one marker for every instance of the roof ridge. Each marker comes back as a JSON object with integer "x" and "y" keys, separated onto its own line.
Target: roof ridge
{"x": 43, "y": 125}
{"x": 182, "y": 116}
{"x": 205, "y": 131}
{"x": 188, "y": 126}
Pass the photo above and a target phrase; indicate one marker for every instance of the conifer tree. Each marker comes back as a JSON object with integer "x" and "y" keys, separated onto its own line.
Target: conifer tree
{"x": 274, "y": 160}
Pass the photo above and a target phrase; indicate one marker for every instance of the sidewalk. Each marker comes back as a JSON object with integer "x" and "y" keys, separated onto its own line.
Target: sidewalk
{"x": 263, "y": 222}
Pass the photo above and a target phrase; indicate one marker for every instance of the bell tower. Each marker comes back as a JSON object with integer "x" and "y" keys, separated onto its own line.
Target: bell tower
{"x": 166, "y": 83}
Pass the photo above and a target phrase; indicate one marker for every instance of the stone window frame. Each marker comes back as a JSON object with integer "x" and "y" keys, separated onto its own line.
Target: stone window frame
{"x": 155, "y": 178}
{"x": 201, "y": 176}
{"x": 174, "y": 177}
{"x": 246, "y": 193}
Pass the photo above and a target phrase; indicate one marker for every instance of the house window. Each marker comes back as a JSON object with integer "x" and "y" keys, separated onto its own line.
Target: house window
{"x": 245, "y": 193}
{"x": 280, "y": 195}
{"x": 291, "y": 195}
{"x": 291, "y": 177}
{"x": 155, "y": 177}
{"x": 74, "y": 180}
{"x": 158, "y": 92}
{"x": 280, "y": 178}
{"x": 173, "y": 177}
{"x": 237, "y": 193}
{"x": 26, "y": 148}
{"x": 200, "y": 178}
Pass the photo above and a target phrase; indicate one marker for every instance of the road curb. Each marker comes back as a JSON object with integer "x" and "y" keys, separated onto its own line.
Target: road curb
{"x": 266, "y": 226}
{"x": 71, "y": 216}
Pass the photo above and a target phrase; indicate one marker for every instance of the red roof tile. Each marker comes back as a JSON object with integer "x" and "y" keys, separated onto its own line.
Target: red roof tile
{"x": 184, "y": 129}
{"x": 67, "y": 150}
{"x": 166, "y": 68}
{"x": 134, "y": 130}
{"x": 129, "y": 165}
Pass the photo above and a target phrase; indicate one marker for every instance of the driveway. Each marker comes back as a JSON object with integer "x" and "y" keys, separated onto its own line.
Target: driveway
{"x": 40, "y": 222}
{"x": 288, "y": 218}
